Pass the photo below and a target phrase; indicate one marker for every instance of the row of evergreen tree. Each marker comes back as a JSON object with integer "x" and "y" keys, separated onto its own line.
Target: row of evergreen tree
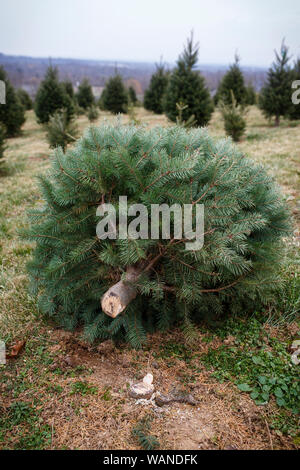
{"x": 56, "y": 105}
{"x": 186, "y": 85}
{"x": 181, "y": 94}
{"x": 53, "y": 95}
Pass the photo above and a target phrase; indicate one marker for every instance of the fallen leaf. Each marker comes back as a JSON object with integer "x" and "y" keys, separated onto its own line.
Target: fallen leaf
{"x": 16, "y": 349}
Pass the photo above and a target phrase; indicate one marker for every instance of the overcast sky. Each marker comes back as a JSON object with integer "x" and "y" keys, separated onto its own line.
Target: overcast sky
{"x": 143, "y": 30}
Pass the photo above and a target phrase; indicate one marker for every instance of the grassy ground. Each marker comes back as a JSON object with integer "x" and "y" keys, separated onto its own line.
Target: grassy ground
{"x": 62, "y": 393}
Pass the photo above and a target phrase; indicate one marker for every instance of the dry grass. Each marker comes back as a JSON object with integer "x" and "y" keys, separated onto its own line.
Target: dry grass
{"x": 44, "y": 375}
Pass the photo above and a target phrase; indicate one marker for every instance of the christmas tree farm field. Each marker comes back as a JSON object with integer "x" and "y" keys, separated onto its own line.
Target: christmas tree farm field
{"x": 62, "y": 392}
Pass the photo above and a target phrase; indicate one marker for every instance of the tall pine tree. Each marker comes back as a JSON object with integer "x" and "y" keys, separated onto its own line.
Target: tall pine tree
{"x": 12, "y": 114}
{"x": 85, "y": 97}
{"x": 154, "y": 95}
{"x": 187, "y": 86}
{"x": 275, "y": 96}
{"x": 52, "y": 97}
{"x": 233, "y": 81}
{"x": 115, "y": 97}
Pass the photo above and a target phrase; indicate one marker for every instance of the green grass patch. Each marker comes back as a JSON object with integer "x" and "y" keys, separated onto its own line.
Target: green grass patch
{"x": 174, "y": 350}
{"x": 83, "y": 388}
{"x": 22, "y": 419}
{"x": 257, "y": 364}
{"x": 255, "y": 136}
{"x": 107, "y": 394}
{"x": 37, "y": 438}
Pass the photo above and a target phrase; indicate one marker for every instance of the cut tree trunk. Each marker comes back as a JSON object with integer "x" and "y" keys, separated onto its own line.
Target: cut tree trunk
{"x": 118, "y": 296}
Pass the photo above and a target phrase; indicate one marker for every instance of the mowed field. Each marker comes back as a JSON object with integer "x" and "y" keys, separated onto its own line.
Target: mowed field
{"x": 61, "y": 393}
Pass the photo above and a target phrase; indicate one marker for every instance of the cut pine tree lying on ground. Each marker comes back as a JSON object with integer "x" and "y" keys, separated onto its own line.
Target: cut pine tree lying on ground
{"x": 149, "y": 284}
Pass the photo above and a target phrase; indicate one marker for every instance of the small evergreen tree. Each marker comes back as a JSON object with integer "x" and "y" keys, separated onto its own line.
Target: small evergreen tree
{"x": 25, "y": 99}
{"x": 275, "y": 96}
{"x": 132, "y": 115}
{"x": 115, "y": 97}
{"x": 180, "y": 121}
{"x": 154, "y": 95}
{"x": 100, "y": 101}
{"x": 294, "y": 113}
{"x": 160, "y": 281}
{"x": 233, "y": 115}
{"x": 132, "y": 95}
{"x": 187, "y": 86}
{"x": 78, "y": 110}
{"x": 60, "y": 130}
{"x": 233, "y": 81}
{"x": 250, "y": 95}
{"x": 93, "y": 113}
{"x": 85, "y": 97}
{"x": 12, "y": 114}
{"x": 2, "y": 140}
{"x": 52, "y": 97}
{"x": 68, "y": 86}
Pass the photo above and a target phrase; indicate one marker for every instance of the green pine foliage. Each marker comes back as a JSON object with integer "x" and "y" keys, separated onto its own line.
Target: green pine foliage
{"x": 187, "y": 86}
{"x": 85, "y": 97}
{"x": 25, "y": 99}
{"x": 92, "y": 113}
{"x": 141, "y": 432}
{"x": 234, "y": 118}
{"x": 2, "y": 140}
{"x": 181, "y": 107}
{"x": 154, "y": 95}
{"x": 294, "y": 112}
{"x": 132, "y": 95}
{"x": 275, "y": 96}
{"x": 100, "y": 101}
{"x": 132, "y": 115}
{"x": 114, "y": 96}
{"x": 12, "y": 114}
{"x": 251, "y": 98}
{"x": 78, "y": 110}
{"x": 233, "y": 81}
{"x": 60, "y": 130}
{"x": 68, "y": 86}
{"x": 52, "y": 97}
{"x": 245, "y": 220}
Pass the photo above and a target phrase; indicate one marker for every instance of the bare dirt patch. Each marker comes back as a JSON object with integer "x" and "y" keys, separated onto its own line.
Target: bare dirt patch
{"x": 222, "y": 419}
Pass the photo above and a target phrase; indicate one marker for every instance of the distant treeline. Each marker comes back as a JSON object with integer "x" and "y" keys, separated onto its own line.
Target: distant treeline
{"x": 28, "y": 72}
